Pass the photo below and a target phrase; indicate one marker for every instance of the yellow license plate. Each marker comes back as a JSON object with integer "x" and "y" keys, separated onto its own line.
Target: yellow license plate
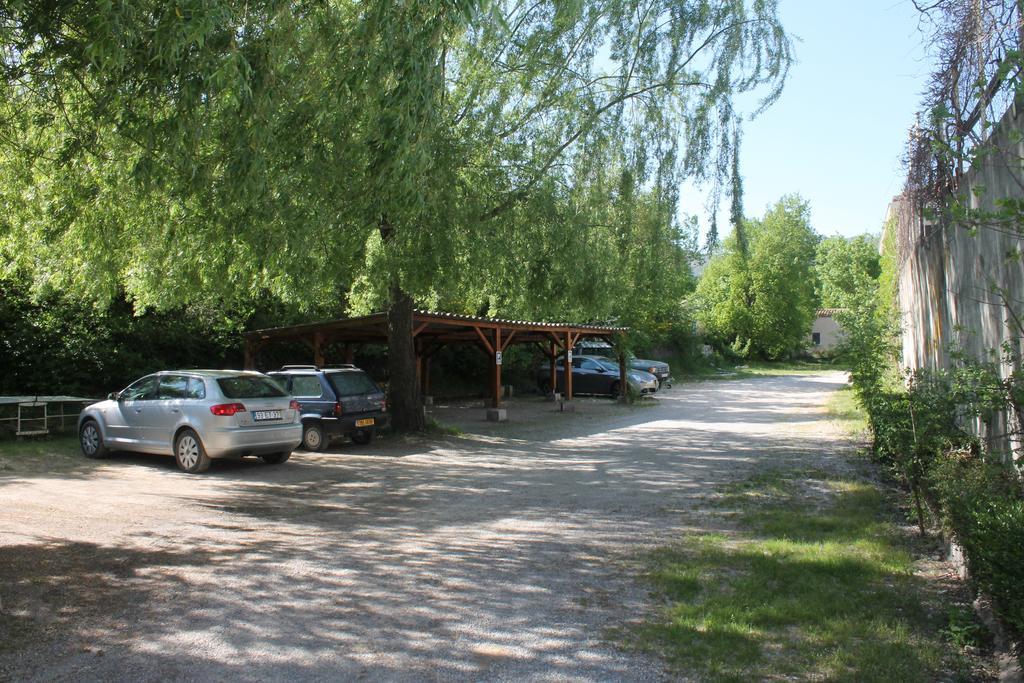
{"x": 368, "y": 422}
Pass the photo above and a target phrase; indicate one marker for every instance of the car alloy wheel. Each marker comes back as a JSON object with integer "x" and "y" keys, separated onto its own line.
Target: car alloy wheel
{"x": 91, "y": 440}
{"x": 190, "y": 454}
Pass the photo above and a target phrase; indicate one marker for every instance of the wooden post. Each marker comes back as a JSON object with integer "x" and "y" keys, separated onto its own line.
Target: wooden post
{"x": 419, "y": 366}
{"x": 250, "y": 355}
{"x": 567, "y": 354}
{"x": 426, "y": 377}
{"x": 318, "y": 350}
{"x": 552, "y": 357}
{"x": 350, "y": 354}
{"x": 496, "y": 365}
{"x": 622, "y": 375}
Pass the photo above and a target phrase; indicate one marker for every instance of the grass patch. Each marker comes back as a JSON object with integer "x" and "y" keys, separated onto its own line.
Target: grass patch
{"x": 818, "y": 583}
{"x": 844, "y": 409}
{"x": 435, "y": 428}
{"x": 38, "y": 454}
{"x": 757, "y": 368}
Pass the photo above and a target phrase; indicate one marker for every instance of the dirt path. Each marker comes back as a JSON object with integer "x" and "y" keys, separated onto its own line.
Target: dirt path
{"x": 499, "y": 554}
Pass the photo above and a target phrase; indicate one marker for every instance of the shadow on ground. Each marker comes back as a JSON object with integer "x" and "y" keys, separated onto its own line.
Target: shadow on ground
{"x": 494, "y": 554}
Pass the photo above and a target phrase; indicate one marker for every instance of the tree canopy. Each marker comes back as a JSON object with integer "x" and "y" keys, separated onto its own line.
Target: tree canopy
{"x": 847, "y": 270}
{"x": 505, "y": 158}
{"x": 759, "y": 298}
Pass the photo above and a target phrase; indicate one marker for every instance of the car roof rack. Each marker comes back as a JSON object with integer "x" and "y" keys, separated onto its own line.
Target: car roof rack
{"x": 342, "y": 366}
{"x": 299, "y": 367}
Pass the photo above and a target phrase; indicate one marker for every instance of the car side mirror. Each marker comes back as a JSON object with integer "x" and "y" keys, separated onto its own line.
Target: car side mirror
{"x": 114, "y": 396}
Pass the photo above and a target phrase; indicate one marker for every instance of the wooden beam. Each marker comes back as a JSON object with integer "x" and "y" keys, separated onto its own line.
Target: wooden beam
{"x": 508, "y": 340}
{"x": 544, "y": 349}
{"x": 483, "y": 338}
{"x": 416, "y": 332}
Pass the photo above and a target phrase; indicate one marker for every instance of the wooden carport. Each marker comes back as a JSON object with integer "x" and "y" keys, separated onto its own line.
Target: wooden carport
{"x": 432, "y": 331}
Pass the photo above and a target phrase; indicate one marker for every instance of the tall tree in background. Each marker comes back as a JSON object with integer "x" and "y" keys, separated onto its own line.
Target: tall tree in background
{"x": 762, "y": 303}
{"x": 847, "y": 270}
{"x": 385, "y": 152}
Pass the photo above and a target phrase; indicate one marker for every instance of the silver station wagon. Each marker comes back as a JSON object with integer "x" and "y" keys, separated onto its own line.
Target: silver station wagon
{"x": 196, "y": 416}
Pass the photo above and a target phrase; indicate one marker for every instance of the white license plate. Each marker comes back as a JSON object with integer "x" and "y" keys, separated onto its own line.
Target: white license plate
{"x": 368, "y": 422}
{"x": 261, "y": 415}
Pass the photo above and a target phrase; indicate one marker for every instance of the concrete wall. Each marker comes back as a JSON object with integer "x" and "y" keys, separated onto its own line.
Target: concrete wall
{"x": 948, "y": 275}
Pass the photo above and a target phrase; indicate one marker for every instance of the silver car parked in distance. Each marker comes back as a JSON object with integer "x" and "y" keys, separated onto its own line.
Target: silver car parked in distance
{"x": 196, "y": 416}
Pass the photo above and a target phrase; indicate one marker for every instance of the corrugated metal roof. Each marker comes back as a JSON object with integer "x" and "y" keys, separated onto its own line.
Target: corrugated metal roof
{"x": 505, "y": 321}
{"x": 440, "y": 316}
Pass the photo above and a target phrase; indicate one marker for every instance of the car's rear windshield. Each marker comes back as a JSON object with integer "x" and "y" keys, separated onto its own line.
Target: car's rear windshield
{"x": 352, "y": 383}
{"x": 249, "y": 387}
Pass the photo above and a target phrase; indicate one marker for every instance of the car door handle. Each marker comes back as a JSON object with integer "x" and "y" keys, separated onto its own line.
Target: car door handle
{"x": 138, "y": 410}
{"x": 175, "y": 410}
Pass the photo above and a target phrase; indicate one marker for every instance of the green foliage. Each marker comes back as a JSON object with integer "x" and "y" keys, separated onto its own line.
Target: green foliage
{"x": 760, "y": 300}
{"x": 984, "y": 508}
{"x": 56, "y": 346}
{"x": 312, "y": 151}
{"x": 869, "y": 322}
{"x": 516, "y": 159}
{"x": 915, "y": 425}
{"x": 847, "y": 270}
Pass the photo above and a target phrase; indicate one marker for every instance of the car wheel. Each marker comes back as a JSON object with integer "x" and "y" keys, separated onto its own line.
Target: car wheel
{"x": 276, "y": 458}
{"x": 313, "y": 437}
{"x": 189, "y": 453}
{"x": 91, "y": 440}
{"x": 362, "y": 437}
{"x": 544, "y": 386}
{"x": 615, "y": 389}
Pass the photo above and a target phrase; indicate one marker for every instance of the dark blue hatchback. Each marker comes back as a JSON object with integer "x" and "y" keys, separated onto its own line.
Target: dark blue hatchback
{"x": 333, "y": 402}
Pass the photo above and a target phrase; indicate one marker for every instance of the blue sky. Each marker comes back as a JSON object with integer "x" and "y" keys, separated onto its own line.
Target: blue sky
{"x": 837, "y": 134}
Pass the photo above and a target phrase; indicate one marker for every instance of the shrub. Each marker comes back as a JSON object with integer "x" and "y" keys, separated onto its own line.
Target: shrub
{"x": 982, "y": 506}
{"x": 911, "y": 428}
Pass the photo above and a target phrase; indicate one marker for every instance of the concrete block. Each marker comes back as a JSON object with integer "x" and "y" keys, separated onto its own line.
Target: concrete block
{"x": 567, "y": 406}
{"x": 497, "y": 415}
{"x": 553, "y": 397}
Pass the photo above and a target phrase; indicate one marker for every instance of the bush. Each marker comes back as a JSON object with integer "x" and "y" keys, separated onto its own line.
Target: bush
{"x": 982, "y": 506}
{"x": 911, "y": 428}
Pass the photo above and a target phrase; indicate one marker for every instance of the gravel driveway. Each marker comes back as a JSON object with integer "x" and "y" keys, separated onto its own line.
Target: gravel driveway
{"x": 504, "y": 553}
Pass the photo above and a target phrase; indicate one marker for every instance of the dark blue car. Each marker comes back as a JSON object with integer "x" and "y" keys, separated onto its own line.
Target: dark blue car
{"x": 334, "y": 402}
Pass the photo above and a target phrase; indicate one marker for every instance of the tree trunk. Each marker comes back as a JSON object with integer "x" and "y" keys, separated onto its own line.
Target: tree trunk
{"x": 403, "y": 390}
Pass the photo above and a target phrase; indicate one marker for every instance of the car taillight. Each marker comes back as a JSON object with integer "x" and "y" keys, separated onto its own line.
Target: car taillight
{"x": 383, "y": 405}
{"x": 652, "y": 370}
{"x": 227, "y": 409}
{"x": 293, "y": 405}
{"x": 337, "y": 409}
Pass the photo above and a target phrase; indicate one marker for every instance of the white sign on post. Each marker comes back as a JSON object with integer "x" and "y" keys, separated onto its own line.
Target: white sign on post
{"x": 497, "y": 357}
{"x": 569, "y": 355}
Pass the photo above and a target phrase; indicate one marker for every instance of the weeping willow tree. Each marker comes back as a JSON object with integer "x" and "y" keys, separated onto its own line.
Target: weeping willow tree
{"x": 494, "y": 157}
